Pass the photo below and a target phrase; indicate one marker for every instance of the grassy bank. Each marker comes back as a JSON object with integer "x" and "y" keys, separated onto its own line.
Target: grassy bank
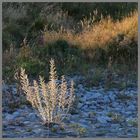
{"x": 98, "y": 44}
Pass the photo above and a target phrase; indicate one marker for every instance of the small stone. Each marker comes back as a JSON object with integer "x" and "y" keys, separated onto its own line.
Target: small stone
{"x": 16, "y": 114}
{"x": 115, "y": 104}
{"x": 91, "y": 95}
{"x": 85, "y": 107}
{"x": 131, "y": 107}
{"x": 103, "y": 119}
{"x": 32, "y": 116}
{"x": 80, "y": 105}
{"x": 84, "y": 114}
{"x": 83, "y": 122}
{"x": 115, "y": 125}
{"x": 9, "y": 117}
{"x": 80, "y": 86}
{"x": 112, "y": 96}
{"x": 100, "y": 133}
{"x": 37, "y": 131}
{"x": 14, "y": 91}
{"x": 128, "y": 113}
{"x": 26, "y": 122}
{"x": 106, "y": 99}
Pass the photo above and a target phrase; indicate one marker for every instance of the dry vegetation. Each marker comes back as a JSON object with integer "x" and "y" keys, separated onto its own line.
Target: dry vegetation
{"x": 51, "y": 100}
{"x": 56, "y": 34}
{"x": 99, "y": 34}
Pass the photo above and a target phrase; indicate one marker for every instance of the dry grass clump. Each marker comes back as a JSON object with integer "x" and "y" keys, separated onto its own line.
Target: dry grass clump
{"x": 102, "y": 33}
{"x": 99, "y": 34}
{"x": 25, "y": 50}
{"x": 8, "y": 54}
{"x": 62, "y": 34}
{"x": 52, "y": 100}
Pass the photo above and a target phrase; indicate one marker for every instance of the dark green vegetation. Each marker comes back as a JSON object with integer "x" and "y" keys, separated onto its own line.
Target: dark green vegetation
{"x": 32, "y": 20}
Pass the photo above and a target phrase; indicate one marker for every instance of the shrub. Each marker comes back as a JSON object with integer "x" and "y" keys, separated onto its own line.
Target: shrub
{"x": 52, "y": 100}
{"x": 94, "y": 77}
{"x": 67, "y": 57}
{"x": 9, "y": 63}
{"x": 33, "y": 66}
{"x": 96, "y": 55}
{"x": 123, "y": 50}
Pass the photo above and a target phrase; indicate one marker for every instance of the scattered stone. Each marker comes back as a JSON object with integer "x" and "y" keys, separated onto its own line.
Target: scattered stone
{"x": 100, "y": 113}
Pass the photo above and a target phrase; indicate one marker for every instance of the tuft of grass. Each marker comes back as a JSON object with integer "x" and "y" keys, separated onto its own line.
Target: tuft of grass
{"x": 115, "y": 117}
{"x": 124, "y": 97}
{"x": 29, "y": 129}
{"x": 74, "y": 125}
{"x": 81, "y": 131}
{"x": 53, "y": 129}
{"x": 133, "y": 122}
